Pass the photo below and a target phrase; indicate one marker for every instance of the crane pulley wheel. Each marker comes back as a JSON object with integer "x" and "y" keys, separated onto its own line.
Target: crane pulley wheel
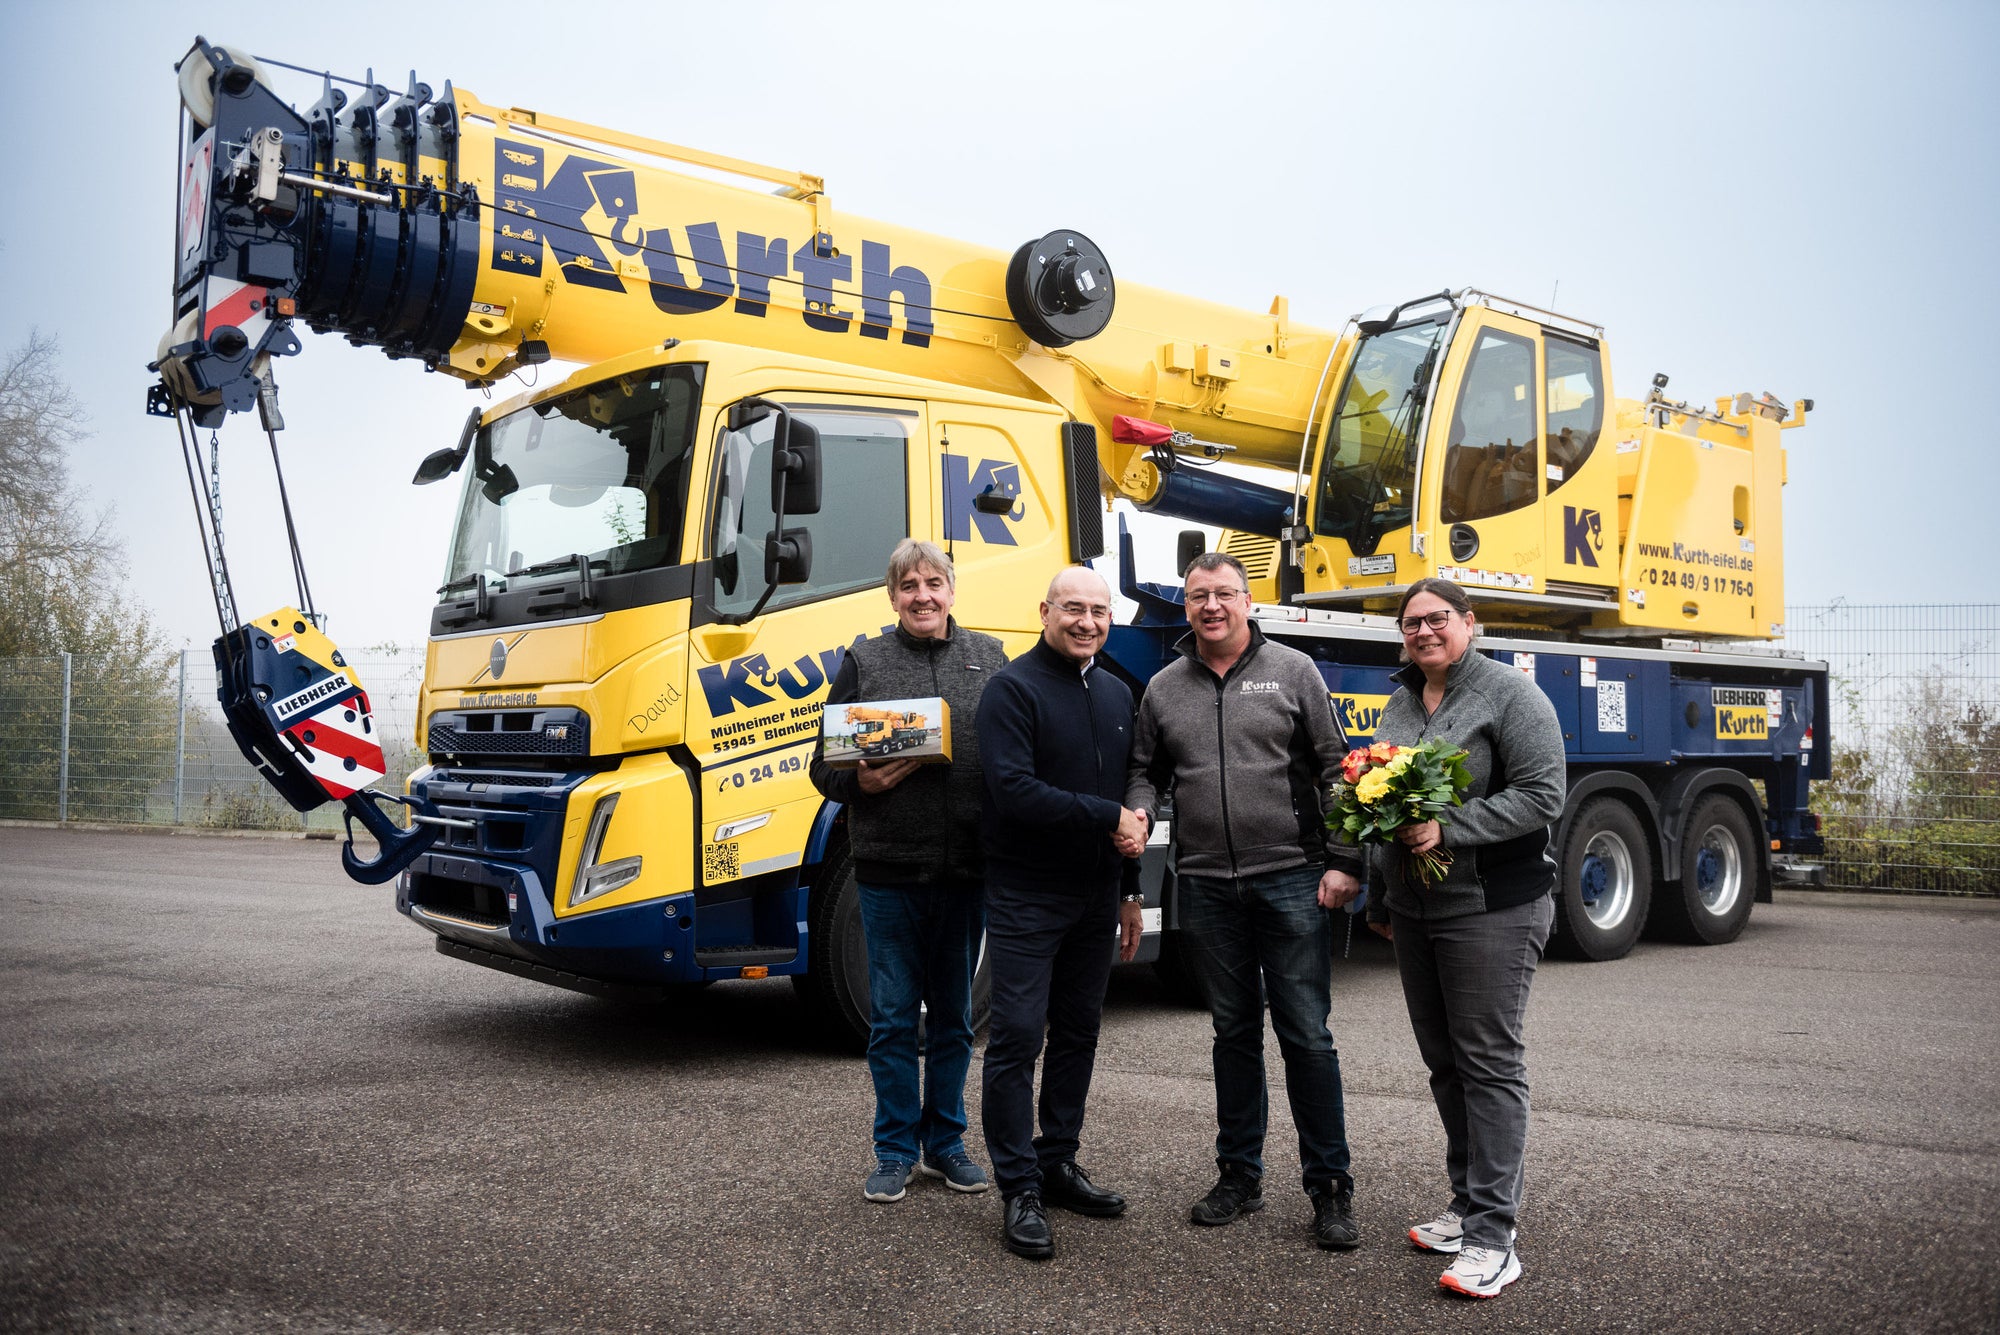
{"x": 197, "y": 80}
{"x": 1060, "y": 289}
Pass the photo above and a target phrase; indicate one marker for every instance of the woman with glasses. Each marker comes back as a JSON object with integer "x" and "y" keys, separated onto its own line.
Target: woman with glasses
{"x": 1467, "y": 944}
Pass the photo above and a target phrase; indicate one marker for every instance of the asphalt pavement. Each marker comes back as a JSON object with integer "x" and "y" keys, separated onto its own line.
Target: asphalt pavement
{"x": 240, "y": 1093}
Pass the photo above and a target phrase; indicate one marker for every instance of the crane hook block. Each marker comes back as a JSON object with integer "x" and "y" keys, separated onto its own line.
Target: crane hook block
{"x": 299, "y": 714}
{"x": 1060, "y": 289}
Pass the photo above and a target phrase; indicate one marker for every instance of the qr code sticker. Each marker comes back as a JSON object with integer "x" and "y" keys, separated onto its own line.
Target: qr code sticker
{"x": 719, "y": 862}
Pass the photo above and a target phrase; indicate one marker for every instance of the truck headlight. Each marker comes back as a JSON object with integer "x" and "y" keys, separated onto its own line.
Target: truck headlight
{"x": 594, "y": 878}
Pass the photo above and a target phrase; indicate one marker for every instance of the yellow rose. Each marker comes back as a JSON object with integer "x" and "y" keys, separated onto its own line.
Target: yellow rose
{"x": 1374, "y": 784}
{"x": 1400, "y": 763}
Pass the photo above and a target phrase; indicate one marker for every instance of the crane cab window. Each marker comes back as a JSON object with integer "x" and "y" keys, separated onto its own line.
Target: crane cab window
{"x": 1576, "y": 406}
{"x": 863, "y": 514}
{"x": 1491, "y": 459}
{"x": 599, "y": 474}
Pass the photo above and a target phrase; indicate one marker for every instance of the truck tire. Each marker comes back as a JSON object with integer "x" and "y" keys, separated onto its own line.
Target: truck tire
{"x": 1719, "y": 874}
{"x": 1604, "y": 883}
{"x": 834, "y": 987}
{"x": 1176, "y": 973}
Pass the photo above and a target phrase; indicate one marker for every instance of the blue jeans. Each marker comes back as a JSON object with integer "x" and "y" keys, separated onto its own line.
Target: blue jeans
{"x": 1268, "y": 934}
{"x": 923, "y": 943}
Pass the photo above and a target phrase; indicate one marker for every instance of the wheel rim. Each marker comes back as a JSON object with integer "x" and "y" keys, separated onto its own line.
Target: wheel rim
{"x": 1607, "y": 881}
{"x": 1718, "y": 870}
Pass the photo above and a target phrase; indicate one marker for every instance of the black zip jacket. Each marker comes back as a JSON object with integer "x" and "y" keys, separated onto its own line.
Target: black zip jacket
{"x": 926, "y": 828}
{"x": 1053, "y": 743}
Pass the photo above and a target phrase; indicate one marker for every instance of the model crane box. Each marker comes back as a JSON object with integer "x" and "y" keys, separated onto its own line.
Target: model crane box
{"x": 886, "y": 730}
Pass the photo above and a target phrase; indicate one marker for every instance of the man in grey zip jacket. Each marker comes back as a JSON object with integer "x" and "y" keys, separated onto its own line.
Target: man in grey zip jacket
{"x": 1244, "y": 732}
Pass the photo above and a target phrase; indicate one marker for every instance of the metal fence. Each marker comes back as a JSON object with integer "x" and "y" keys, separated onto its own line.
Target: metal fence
{"x": 1914, "y": 804}
{"x": 100, "y": 738}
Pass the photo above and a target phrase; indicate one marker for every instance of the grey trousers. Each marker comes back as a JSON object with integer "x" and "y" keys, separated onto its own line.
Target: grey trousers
{"x": 1466, "y": 981}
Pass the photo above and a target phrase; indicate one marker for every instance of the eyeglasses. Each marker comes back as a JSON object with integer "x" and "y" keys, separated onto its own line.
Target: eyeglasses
{"x": 1078, "y": 611}
{"x": 1220, "y": 597}
{"x": 1435, "y": 620}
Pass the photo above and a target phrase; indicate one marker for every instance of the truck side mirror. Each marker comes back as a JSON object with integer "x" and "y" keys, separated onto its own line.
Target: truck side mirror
{"x": 1191, "y": 543}
{"x": 443, "y": 463}
{"x": 746, "y": 412}
{"x": 788, "y": 557}
{"x": 795, "y": 468}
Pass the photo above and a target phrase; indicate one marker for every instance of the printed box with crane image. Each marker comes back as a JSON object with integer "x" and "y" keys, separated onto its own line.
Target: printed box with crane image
{"x": 878, "y": 730}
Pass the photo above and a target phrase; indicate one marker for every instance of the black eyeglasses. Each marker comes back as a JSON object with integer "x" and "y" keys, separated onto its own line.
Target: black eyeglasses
{"x": 1435, "y": 620}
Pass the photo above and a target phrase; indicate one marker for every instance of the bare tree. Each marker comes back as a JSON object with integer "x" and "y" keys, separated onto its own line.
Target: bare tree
{"x": 60, "y": 563}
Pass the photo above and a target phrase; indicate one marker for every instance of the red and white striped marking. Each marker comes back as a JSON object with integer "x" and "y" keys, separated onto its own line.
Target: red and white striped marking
{"x": 238, "y": 303}
{"x": 340, "y": 746}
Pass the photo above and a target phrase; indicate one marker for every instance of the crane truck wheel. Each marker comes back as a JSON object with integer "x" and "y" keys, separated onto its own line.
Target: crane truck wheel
{"x": 1719, "y": 872}
{"x": 1604, "y": 883}
{"x": 1176, "y": 972}
{"x": 834, "y": 987}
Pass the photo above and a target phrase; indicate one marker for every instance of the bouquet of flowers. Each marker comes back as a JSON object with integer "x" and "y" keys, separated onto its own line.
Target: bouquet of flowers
{"x": 1385, "y": 787}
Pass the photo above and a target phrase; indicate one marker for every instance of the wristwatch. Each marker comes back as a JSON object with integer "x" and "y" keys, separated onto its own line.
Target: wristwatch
{"x": 1132, "y": 899}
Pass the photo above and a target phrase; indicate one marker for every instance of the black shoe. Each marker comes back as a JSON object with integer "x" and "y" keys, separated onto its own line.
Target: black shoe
{"x": 1026, "y": 1231}
{"x": 1333, "y": 1219}
{"x": 1237, "y": 1191}
{"x": 1069, "y": 1187}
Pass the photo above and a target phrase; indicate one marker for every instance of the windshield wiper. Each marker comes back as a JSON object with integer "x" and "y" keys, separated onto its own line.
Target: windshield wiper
{"x": 574, "y": 561}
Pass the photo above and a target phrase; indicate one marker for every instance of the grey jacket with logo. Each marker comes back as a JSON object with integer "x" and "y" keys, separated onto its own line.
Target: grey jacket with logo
{"x": 1498, "y": 840}
{"x": 1250, "y": 755}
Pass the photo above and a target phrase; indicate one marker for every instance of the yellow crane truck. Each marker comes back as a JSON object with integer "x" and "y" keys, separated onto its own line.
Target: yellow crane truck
{"x": 659, "y": 560}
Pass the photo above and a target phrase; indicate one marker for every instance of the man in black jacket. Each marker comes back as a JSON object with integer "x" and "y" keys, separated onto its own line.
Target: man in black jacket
{"x": 1243, "y": 731}
{"x": 1055, "y": 732}
{"x": 914, "y": 832}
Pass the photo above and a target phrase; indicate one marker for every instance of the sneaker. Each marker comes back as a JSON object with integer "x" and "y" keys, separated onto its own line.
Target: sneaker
{"x": 1237, "y": 1191}
{"x": 1481, "y": 1272}
{"x": 1443, "y": 1234}
{"x": 889, "y": 1182}
{"x": 957, "y": 1170}
{"x": 1334, "y": 1228}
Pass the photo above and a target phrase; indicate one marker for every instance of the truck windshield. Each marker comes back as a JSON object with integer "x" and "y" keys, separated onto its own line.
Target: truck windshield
{"x": 1367, "y": 482}
{"x": 600, "y": 473}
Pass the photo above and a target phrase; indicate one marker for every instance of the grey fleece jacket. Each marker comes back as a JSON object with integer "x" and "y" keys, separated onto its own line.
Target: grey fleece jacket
{"x": 1251, "y": 756}
{"x": 1499, "y": 840}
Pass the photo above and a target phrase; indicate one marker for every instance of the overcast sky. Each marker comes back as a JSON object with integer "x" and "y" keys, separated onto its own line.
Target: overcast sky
{"x": 1797, "y": 198}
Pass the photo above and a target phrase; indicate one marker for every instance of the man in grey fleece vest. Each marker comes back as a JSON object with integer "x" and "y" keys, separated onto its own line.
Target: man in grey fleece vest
{"x": 914, "y": 832}
{"x": 1244, "y": 732}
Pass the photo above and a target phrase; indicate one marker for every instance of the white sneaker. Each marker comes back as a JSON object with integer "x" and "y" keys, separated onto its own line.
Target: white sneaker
{"x": 1481, "y": 1272}
{"x": 1442, "y": 1234}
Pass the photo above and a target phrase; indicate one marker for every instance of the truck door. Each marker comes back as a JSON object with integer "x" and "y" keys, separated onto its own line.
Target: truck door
{"x": 1486, "y": 458}
{"x": 1000, "y": 504}
{"x": 1581, "y": 481}
{"x": 754, "y": 705}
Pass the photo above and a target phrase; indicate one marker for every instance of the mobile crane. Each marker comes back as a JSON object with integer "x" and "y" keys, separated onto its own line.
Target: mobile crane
{"x": 879, "y": 732}
{"x": 659, "y": 561}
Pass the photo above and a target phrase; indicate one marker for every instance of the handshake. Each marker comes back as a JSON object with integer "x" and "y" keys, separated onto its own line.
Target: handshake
{"x": 1130, "y": 836}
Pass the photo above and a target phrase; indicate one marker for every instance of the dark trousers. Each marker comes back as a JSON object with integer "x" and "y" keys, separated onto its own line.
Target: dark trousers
{"x": 1466, "y": 982}
{"x": 1261, "y": 937}
{"x": 1050, "y": 954}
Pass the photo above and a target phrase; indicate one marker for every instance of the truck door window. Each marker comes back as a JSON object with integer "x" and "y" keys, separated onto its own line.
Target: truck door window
{"x": 1491, "y": 460}
{"x": 864, "y": 510}
{"x": 601, "y": 472}
{"x": 1576, "y": 405}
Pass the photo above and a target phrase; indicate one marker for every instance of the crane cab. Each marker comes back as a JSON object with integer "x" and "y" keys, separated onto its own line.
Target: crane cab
{"x": 1478, "y": 440}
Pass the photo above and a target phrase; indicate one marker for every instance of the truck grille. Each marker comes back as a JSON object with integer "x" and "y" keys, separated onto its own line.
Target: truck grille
{"x": 509, "y": 732}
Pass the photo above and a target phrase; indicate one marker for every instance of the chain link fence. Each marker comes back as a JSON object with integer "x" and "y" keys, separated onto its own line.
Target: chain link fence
{"x": 100, "y": 738}
{"x": 1914, "y": 804}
